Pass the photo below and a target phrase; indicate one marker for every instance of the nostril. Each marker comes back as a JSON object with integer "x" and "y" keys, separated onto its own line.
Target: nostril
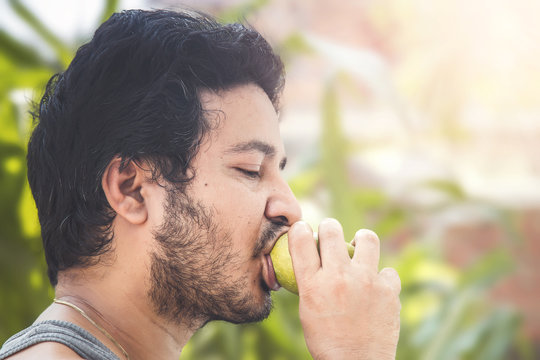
{"x": 281, "y": 220}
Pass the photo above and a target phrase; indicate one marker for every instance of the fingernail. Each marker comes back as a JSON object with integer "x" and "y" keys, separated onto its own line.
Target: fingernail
{"x": 301, "y": 227}
{"x": 365, "y": 232}
{"x": 330, "y": 221}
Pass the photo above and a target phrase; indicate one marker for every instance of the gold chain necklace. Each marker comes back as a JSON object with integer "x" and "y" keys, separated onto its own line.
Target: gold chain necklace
{"x": 103, "y": 331}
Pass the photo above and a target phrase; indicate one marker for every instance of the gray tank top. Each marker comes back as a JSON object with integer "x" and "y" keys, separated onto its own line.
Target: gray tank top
{"x": 71, "y": 335}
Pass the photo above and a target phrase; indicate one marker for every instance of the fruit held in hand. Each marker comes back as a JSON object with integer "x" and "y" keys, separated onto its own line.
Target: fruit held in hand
{"x": 281, "y": 260}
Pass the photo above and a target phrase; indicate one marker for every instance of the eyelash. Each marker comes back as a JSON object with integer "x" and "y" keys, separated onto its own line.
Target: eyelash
{"x": 250, "y": 174}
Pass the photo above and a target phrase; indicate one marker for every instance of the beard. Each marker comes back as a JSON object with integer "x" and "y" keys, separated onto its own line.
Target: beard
{"x": 192, "y": 269}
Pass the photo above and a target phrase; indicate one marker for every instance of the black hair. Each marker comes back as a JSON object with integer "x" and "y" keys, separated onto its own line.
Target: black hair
{"x": 132, "y": 92}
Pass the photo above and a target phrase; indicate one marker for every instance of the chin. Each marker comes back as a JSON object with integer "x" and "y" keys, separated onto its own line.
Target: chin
{"x": 265, "y": 305}
{"x": 258, "y": 309}
{"x": 253, "y": 317}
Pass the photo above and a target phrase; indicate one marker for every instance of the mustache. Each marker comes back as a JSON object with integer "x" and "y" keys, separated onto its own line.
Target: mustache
{"x": 269, "y": 233}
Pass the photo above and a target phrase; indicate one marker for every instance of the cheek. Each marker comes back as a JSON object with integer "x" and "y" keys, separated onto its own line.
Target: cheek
{"x": 244, "y": 217}
{"x": 245, "y": 210}
{"x": 234, "y": 200}
{"x": 237, "y": 208}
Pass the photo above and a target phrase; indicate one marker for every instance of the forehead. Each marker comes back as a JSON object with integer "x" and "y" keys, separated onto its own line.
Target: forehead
{"x": 239, "y": 115}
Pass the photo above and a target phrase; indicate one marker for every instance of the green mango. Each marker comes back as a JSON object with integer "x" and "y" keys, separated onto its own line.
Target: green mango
{"x": 281, "y": 260}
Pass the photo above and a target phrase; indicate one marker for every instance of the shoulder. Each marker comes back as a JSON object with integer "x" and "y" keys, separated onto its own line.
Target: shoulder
{"x": 46, "y": 350}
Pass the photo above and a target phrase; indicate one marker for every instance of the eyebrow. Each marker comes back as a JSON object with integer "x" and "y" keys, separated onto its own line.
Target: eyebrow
{"x": 256, "y": 145}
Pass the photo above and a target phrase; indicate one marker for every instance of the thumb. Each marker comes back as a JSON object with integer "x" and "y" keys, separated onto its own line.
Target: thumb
{"x": 303, "y": 250}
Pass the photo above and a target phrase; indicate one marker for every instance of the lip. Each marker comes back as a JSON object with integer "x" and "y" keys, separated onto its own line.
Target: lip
{"x": 269, "y": 275}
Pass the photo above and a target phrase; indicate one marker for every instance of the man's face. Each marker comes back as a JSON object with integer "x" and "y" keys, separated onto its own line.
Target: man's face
{"x": 212, "y": 260}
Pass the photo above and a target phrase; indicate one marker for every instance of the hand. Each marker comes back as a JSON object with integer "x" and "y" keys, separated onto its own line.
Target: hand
{"x": 348, "y": 309}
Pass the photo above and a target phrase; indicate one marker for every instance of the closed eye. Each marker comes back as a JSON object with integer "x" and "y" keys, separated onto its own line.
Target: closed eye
{"x": 249, "y": 173}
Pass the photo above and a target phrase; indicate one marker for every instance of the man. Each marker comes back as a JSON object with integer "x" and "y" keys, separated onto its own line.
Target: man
{"x": 155, "y": 166}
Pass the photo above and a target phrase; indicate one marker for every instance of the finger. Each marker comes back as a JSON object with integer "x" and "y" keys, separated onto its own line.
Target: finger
{"x": 391, "y": 277}
{"x": 332, "y": 243}
{"x": 303, "y": 250}
{"x": 367, "y": 249}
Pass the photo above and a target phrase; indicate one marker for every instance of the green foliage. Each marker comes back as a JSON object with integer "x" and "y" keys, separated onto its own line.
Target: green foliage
{"x": 239, "y": 13}
{"x": 24, "y": 288}
{"x": 278, "y": 337}
{"x": 62, "y": 51}
{"x": 446, "y": 313}
{"x": 109, "y": 8}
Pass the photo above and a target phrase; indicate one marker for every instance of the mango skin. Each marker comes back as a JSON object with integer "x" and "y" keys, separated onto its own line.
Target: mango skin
{"x": 281, "y": 259}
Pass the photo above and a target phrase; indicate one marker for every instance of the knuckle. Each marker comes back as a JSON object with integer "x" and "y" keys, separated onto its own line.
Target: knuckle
{"x": 366, "y": 281}
{"x": 386, "y": 289}
{"x": 391, "y": 276}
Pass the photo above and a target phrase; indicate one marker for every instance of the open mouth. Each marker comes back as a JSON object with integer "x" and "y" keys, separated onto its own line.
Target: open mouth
{"x": 270, "y": 237}
{"x": 269, "y": 275}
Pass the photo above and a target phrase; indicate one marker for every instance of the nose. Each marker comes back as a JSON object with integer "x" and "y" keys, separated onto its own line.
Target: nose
{"x": 282, "y": 206}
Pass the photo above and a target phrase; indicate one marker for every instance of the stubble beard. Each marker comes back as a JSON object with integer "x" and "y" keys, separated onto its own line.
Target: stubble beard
{"x": 191, "y": 271}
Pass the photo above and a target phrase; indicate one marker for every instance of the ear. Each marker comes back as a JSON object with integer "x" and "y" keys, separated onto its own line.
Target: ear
{"x": 123, "y": 190}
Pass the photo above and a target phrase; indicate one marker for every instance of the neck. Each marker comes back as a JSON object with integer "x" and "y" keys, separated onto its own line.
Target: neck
{"x": 125, "y": 313}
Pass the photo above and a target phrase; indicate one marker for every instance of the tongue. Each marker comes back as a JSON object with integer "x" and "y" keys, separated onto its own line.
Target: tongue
{"x": 269, "y": 275}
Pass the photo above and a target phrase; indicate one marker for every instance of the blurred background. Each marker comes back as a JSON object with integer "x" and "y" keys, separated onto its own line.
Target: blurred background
{"x": 419, "y": 119}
